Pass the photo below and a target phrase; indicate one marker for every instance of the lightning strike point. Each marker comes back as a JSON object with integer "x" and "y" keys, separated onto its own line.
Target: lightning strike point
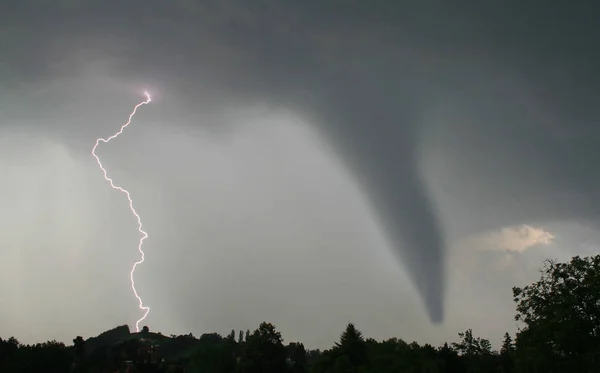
{"x": 143, "y": 234}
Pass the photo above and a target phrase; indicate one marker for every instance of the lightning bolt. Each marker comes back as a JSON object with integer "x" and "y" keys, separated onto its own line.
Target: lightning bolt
{"x": 144, "y": 235}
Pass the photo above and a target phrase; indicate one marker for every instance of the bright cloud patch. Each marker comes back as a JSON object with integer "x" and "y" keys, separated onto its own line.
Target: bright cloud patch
{"x": 512, "y": 239}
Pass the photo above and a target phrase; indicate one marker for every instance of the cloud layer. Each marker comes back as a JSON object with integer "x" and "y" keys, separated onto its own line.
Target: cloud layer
{"x": 453, "y": 121}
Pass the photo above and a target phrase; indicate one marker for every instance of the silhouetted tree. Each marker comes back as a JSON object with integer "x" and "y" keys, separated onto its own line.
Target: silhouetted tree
{"x": 352, "y": 344}
{"x": 477, "y": 352}
{"x": 264, "y": 352}
{"x": 562, "y": 316}
{"x": 231, "y": 335}
{"x": 213, "y": 354}
{"x": 78, "y": 345}
{"x": 507, "y": 352}
{"x": 451, "y": 362}
{"x": 348, "y": 355}
{"x": 8, "y": 350}
{"x": 296, "y": 357}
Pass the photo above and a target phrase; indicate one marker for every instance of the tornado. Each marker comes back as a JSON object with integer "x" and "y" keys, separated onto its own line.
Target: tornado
{"x": 376, "y": 136}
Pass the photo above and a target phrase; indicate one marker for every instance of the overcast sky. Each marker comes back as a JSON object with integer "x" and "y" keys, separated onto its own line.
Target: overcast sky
{"x": 399, "y": 165}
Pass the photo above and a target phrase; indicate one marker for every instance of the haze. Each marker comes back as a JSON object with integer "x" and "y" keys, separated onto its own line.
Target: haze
{"x": 398, "y": 166}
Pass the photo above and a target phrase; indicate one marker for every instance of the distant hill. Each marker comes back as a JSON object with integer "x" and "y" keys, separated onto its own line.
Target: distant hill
{"x": 175, "y": 347}
{"x": 108, "y": 338}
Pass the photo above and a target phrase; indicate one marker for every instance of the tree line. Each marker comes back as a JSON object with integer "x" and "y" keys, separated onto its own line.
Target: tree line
{"x": 560, "y": 314}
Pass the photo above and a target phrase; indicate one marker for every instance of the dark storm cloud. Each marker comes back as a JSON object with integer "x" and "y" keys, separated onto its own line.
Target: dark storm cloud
{"x": 520, "y": 81}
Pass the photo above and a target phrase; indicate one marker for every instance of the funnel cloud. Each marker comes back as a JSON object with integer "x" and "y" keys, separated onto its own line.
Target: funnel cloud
{"x": 375, "y": 135}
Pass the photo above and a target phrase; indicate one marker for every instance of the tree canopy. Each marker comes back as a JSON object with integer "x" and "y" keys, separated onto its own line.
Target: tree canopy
{"x": 561, "y": 313}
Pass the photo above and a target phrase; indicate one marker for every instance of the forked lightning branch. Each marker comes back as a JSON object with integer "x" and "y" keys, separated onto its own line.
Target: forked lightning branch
{"x": 143, "y": 234}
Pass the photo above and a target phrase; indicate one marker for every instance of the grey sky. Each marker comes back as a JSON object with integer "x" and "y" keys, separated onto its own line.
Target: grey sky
{"x": 291, "y": 151}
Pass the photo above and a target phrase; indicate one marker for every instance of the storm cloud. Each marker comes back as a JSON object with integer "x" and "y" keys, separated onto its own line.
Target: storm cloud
{"x": 452, "y": 120}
